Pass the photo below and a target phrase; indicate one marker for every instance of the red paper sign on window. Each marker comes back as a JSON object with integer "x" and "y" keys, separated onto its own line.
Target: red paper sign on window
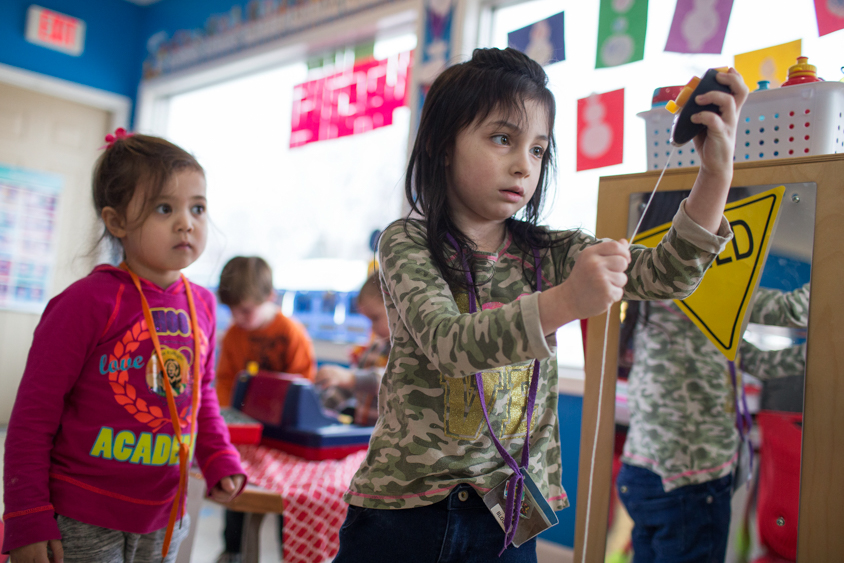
{"x": 600, "y": 130}
{"x": 353, "y": 101}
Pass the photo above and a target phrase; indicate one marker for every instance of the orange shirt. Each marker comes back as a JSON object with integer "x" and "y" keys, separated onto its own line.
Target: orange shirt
{"x": 282, "y": 346}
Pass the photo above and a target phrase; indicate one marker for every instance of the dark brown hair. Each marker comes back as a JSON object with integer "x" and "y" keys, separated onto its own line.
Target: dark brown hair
{"x": 492, "y": 80}
{"x": 133, "y": 162}
{"x": 245, "y": 277}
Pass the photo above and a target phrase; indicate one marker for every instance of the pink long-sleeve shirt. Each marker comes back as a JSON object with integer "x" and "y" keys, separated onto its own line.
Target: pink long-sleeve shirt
{"x": 90, "y": 435}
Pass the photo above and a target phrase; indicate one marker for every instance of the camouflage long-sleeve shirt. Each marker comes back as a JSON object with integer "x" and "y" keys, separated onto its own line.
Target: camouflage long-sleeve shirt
{"x": 680, "y": 394}
{"x": 431, "y": 434}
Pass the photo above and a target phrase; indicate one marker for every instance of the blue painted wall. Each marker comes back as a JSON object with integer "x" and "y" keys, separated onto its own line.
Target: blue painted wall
{"x": 570, "y": 411}
{"x": 114, "y": 46}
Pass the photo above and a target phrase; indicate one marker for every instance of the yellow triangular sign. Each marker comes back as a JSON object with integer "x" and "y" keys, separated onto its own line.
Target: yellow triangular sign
{"x": 719, "y": 305}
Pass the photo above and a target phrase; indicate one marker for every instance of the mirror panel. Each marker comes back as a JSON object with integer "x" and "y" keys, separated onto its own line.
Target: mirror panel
{"x": 819, "y": 529}
{"x": 682, "y": 401}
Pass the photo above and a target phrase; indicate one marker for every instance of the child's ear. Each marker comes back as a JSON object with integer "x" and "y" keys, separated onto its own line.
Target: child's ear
{"x": 114, "y": 222}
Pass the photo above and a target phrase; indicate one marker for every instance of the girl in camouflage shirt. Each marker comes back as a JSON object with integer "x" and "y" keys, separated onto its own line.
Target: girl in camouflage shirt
{"x": 477, "y": 176}
{"x": 682, "y": 444}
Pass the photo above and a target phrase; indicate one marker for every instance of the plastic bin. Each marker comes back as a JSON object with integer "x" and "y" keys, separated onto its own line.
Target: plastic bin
{"x": 305, "y": 305}
{"x": 787, "y": 122}
{"x": 325, "y": 326}
{"x": 357, "y": 328}
{"x": 243, "y": 429}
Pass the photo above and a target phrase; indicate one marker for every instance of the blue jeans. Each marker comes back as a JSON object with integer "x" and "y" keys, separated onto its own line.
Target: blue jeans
{"x": 458, "y": 529}
{"x": 690, "y": 524}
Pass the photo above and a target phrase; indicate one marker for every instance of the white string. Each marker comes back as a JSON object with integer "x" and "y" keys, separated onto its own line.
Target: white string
{"x": 603, "y": 373}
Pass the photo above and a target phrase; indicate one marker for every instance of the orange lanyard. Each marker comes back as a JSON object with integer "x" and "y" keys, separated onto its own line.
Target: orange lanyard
{"x": 184, "y": 448}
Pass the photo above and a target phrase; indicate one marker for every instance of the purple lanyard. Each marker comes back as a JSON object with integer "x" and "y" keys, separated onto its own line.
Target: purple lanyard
{"x": 744, "y": 422}
{"x": 515, "y": 484}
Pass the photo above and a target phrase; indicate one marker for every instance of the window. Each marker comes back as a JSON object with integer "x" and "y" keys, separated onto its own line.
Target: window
{"x": 310, "y": 210}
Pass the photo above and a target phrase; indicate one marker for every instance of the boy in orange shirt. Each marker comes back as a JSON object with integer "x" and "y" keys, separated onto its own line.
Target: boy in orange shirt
{"x": 259, "y": 333}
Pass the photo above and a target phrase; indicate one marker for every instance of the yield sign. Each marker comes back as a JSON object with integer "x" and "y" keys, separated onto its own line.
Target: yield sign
{"x": 719, "y": 304}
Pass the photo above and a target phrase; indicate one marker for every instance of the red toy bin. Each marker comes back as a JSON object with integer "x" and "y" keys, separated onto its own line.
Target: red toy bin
{"x": 242, "y": 429}
{"x": 779, "y": 481}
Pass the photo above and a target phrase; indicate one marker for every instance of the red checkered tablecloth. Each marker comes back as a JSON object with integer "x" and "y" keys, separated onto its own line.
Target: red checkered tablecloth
{"x": 313, "y": 498}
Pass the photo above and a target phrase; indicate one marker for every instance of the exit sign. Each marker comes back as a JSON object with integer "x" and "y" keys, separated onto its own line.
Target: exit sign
{"x": 55, "y": 31}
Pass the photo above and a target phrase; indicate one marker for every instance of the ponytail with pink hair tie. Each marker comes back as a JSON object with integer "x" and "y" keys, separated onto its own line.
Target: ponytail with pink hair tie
{"x": 119, "y": 133}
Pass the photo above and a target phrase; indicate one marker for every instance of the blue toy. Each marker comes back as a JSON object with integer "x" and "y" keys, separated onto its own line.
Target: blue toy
{"x": 294, "y": 420}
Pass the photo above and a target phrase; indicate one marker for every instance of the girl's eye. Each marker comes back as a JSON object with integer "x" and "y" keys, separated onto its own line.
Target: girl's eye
{"x": 198, "y": 209}
{"x": 538, "y": 151}
{"x": 501, "y": 139}
{"x": 163, "y": 209}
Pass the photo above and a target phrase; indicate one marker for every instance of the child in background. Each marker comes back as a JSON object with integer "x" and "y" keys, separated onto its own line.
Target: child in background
{"x": 100, "y": 440}
{"x": 362, "y": 380}
{"x": 259, "y": 333}
{"x": 475, "y": 291}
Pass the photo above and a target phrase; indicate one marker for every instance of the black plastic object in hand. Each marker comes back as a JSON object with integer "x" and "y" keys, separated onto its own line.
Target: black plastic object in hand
{"x": 684, "y": 130}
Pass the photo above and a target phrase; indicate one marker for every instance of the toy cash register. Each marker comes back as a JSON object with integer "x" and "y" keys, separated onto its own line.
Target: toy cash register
{"x": 294, "y": 420}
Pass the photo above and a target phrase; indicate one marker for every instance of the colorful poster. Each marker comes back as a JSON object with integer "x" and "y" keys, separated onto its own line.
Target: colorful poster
{"x": 600, "y": 130}
{"x": 356, "y": 100}
{"x": 436, "y": 49}
{"x": 28, "y": 212}
{"x": 699, "y": 27}
{"x": 543, "y": 41}
{"x": 622, "y": 25}
{"x": 830, "y": 14}
{"x": 769, "y": 64}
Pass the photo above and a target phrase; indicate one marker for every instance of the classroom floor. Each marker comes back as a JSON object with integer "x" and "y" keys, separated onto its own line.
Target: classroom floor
{"x": 208, "y": 539}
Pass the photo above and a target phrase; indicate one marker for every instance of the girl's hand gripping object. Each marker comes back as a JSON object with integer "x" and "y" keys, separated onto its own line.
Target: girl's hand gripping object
{"x": 684, "y": 107}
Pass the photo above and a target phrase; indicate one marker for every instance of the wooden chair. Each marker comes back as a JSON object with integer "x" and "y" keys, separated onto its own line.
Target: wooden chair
{"x": 254, "y": 502}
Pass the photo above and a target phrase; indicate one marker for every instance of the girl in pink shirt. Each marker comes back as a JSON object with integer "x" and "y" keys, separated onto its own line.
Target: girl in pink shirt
{"x": 116, "y": 398}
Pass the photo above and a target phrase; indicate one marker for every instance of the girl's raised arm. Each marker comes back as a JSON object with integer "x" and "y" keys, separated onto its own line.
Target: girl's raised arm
{"x": 716, "y": 146}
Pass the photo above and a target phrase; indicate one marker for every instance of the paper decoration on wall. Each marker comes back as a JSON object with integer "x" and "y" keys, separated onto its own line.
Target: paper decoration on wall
{"x": 830, "y": 14}
{"x": 543, "y": 41}
{"x": 769, "y": 64}
{"x": 600, "y": 130}
{"x": 253, "y": 23}
{"x": 352, "y": 101}
{"x": 28, "y": 211}
{"x": 622, "y": 25}
{"x": 436, "y": 49}
{"x": 720, "y": 303}
{"x": 699, "y": 26}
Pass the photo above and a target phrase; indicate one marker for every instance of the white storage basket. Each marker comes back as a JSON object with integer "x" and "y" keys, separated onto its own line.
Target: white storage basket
{"x": 800, "y": 120}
